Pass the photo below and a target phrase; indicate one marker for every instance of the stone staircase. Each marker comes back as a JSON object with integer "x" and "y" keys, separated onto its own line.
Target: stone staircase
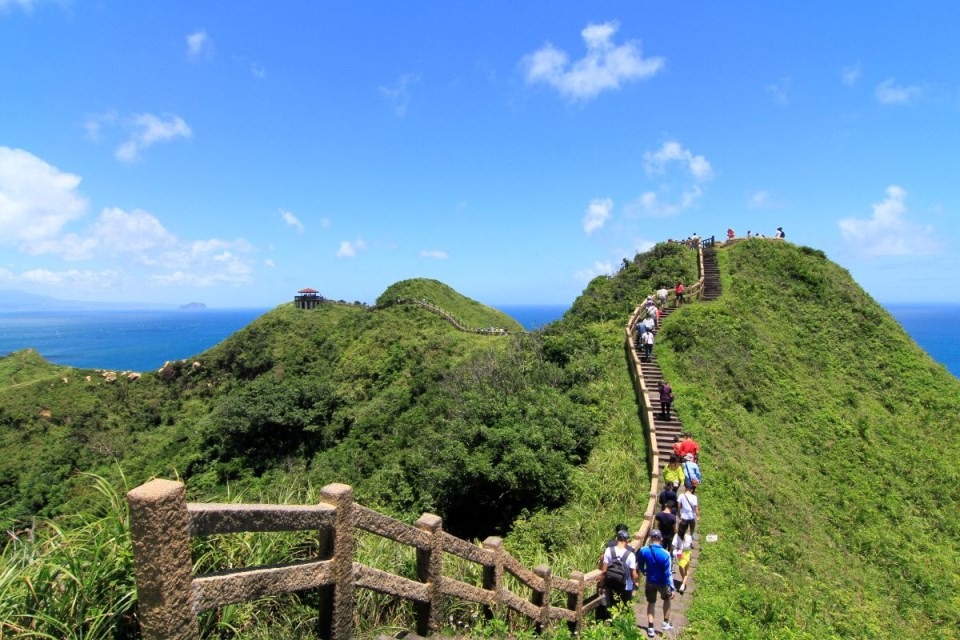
{"x": 711, "y": 275}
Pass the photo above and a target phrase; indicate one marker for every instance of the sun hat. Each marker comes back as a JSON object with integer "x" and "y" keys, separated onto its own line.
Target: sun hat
{"x": 689, "y": 456}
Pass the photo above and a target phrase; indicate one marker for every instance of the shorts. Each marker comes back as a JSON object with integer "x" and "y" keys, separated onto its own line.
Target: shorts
{"x": 651, "y": 591}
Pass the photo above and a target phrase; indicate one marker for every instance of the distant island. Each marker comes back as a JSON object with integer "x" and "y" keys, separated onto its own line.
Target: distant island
{"x": 193, "y": 306}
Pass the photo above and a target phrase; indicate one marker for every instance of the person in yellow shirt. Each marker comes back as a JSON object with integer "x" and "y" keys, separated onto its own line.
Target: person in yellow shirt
{"x": 673, "y": 472}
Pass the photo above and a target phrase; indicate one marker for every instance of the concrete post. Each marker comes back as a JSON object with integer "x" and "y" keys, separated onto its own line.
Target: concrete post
{"x": 541, "y": 598}
{"x": 159, "y": 528}
{"x": 430, "y": 570}
{"x": 575, "y": 602}
{"x": 493, "y": 576}
{"x": 341, "y": 623}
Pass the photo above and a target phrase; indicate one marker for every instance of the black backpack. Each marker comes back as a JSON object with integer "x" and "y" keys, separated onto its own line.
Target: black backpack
{"x": 617, "y": 570}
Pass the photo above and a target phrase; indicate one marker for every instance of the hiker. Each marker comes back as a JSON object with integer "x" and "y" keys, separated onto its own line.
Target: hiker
{"x": 673, "y": 472}
{"x": 691, "y": 472}
{"x": 678, "y": 293}
{"x": 666, "y": 404}
{"x": 666, "y": 522}
{"x": 730, "y": 234}
{"x": 668, "y": 496}
{"x": 676, "y": 447}
{"x": 689, "y": 445}
{"x": 749, "y": 234}
{"x": 647, "y": 339}
{"x": 656, "y": 565}
{"x": 652, "y": 313}
{"x": 682, "y": 551}
{"x": 649, "y": 323}
{"x": 689, "y": 512}
{"x": 780, "y": 235}
{"x": 662, "y": 294}
{"x": 619, "y": 570}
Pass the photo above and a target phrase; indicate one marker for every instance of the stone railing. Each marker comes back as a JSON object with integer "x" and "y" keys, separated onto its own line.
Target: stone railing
{"x": 171, "y": 595}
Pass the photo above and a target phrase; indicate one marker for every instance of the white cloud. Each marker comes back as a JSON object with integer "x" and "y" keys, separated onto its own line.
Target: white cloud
{"x": 94, "y": 124}
{"x": 399, "y": 93}
{"x": 605, "y": 66}
{"x": 850, "y": 75}
{"x": 780, "y": 91}
{"x": 84, "y": 278}
{"x": 887, "y": 232}
{"x": 349, "y": 249}
{"x": 26, "y": 5}
{"x": 682, "y": 173}
{"x": 291, "y": 220}
{"x": 435, "y": 254}
{"x": 598, "y": 212}
{"x": 640, "y": 245}
{"x": 36, "y": 199}
{"x": 150, "y": 129}
{"x": 889, "y": 92}
{"x": 599, "y": 268}
{"x": 258, "y": 70}
{"x": 270, "y": 263}
{"x": 762, "y": 200}
{"x": 199, "y": 45}
{"x": 673, "y": 152}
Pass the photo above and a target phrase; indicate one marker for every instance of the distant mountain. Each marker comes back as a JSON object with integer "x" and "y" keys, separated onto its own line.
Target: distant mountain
{"x": 193, "y": 306}
{"x": 13, "y": 300}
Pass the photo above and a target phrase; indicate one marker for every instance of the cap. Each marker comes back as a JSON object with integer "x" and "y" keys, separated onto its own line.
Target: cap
{"x": 689, "y": 456}
{"x": 623, "y": 535}
{"x": 655, "y": 534}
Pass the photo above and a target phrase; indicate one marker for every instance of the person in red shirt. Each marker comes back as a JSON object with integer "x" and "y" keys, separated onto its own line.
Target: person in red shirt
{"x": 689, "y": 445}
{"x": 678, "y": 292}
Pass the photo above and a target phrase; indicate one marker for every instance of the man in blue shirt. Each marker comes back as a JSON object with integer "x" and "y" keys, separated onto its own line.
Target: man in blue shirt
{"x": 655, "y": 563}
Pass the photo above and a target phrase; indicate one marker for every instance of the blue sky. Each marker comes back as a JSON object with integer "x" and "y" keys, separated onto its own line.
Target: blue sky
{"x": 233, "y": 153}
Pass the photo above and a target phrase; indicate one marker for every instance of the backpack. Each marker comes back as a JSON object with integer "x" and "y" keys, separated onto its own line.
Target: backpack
{"x": 617, "y": 570}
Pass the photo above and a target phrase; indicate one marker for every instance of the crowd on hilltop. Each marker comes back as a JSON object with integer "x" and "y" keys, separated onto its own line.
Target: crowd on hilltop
{"x": 671, "y": 538}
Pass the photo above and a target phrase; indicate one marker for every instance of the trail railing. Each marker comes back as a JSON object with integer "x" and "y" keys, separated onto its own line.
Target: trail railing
{"x": 171, "y": 596}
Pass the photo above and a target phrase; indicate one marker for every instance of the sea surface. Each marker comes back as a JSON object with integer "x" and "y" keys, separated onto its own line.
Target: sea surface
{"x": 144, "y": 340}
{"x": 120, "y": 340}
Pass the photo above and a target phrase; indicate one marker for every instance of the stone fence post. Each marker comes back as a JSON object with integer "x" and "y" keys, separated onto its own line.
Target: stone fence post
{"x": 493, "y": 576}
{"x": 159, "y": 528}
{"x": 339, "y": 625}
{"x": 430, "y": 570}
{"x": 575, "y": 602}
{"x": 541, "y": 598}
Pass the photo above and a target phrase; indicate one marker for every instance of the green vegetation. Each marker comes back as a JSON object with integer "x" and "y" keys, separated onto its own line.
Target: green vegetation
{"x": 469, "y": 312}
{"x": 828, "y": 440}
{"x": 827, "y": 437}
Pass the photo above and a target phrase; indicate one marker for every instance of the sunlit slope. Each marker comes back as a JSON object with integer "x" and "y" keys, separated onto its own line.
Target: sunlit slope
{"x": 470, "y": 312}
{"x": 829, "y": 443}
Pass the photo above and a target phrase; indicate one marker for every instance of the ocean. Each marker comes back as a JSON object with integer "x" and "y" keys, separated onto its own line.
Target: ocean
{"x": 144, "y": 340}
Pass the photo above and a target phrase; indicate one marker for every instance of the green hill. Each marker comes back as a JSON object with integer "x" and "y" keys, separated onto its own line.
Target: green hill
{"x": 828, "y": 439}
{"x": 469, "y": 312}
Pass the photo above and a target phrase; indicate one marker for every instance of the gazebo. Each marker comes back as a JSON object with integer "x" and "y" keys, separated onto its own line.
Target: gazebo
{"x": 307, "y": 299}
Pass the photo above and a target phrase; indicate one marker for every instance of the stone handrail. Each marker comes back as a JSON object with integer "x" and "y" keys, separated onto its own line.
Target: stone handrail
{"x": 171, "y": 595}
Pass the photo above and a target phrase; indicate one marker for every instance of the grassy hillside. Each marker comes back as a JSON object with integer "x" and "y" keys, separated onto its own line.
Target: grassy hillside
{"x": 828, "y": 440}
{"x": 469, "y": 312}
